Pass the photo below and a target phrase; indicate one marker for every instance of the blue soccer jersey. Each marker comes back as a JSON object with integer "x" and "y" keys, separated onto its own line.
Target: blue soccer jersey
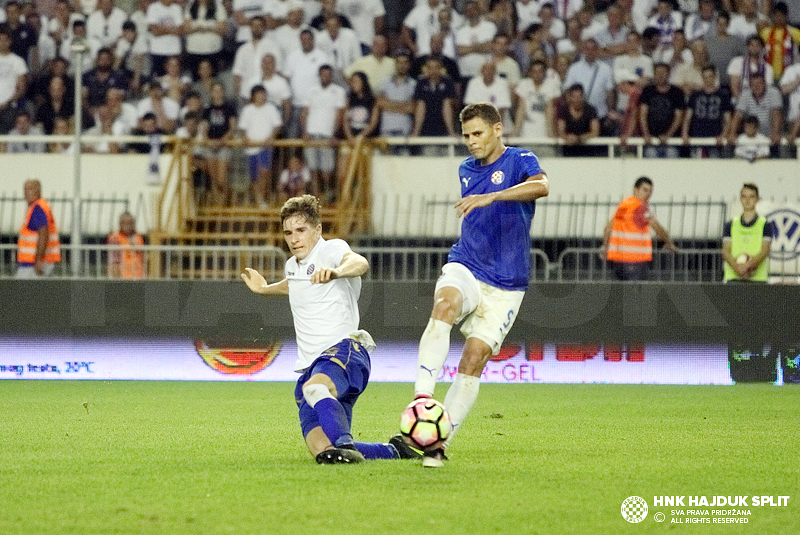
{"x": 495, "y": 240}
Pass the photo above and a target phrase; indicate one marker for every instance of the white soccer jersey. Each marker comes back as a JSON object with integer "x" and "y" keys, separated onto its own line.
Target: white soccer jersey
{"x": 324, "y": 314}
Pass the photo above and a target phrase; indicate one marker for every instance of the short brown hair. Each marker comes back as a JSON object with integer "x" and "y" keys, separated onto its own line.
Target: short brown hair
{"x": 306, "y": 206}
{"x": 750, "y": 185}
{"x": 482, "y": 110}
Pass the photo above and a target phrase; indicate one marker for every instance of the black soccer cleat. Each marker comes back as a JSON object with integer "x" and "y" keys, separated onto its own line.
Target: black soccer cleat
{"x": 434, "y": 458}
{"x": 342, "y": 455}
{"x": 403, "y": 449}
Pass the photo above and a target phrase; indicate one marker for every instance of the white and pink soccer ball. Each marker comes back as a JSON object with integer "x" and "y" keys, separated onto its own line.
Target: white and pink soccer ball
{"x": 425, "y": 424}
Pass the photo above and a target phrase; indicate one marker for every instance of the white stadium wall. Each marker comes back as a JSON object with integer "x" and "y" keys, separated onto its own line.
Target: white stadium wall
{"x": 102, "y": 176}
{"x": 413, "y": 196}
{"x": 405, "y": 188}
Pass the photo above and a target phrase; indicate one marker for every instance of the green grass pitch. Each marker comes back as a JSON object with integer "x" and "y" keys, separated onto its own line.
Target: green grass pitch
{"x": 206, "y": 458}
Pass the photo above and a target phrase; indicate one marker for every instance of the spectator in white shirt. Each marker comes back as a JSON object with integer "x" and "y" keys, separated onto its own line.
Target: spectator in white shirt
{"x": 742, "y": 67}
{"x": 341, "y": 44}
{"x": 596, "y": 78}
{"x": 506, "y": 67}
{"x": 790, "y": 87}
{"x": 302, "y": 70}
{"x": 613, "y": 40}
{"x": 367, "y": 18}
{"x": 243, "y": 13}
{"x": 748, "y": 21}
{"x": 634, "y": 61}
{"x": 751, "y": 144}
{"x": 418, "y": 27}
{"x": 667, "y": 21}
{"x": 66, "y": 52}
{"x": 125, "y": 114}
{"x": 700, "y": 23}
{"x": 165, "y": 22}
{"x": 488, "y": 87}
{"x": 527, "y": 14}
{"x": 321, "y": 118}
{"x": 205, "y": 27}
{"x": 287, "y": 36}
{"x": 474, "y": 41}
{"x": 247, "y": 63}
{"x": 260, "y": 123}
{"x": 165, "y": 109}
{"x": 279, "y": 94}
{"x": 554, "y": 27}
{"x": 535, "y": 103}
{"x": 105, "y": 24}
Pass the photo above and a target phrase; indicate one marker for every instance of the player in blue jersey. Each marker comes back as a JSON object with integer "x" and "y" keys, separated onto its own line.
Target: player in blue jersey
{"x": 323, "y": 282}
{"x": 487, "y": 270}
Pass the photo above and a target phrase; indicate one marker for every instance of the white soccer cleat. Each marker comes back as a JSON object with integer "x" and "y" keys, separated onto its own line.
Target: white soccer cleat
{"x": 434, "y": 458}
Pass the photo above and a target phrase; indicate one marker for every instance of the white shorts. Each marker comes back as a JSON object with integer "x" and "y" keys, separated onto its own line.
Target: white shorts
{"x": 488, "y": 312}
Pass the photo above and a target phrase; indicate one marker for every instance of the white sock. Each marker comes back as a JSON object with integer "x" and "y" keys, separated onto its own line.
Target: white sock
{"x": 433, "y": 348}
{"x": 460, "y": 398}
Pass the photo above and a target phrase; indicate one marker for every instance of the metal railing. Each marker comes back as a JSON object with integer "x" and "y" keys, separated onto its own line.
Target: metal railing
{"x": 586, "y": 264}
{"x": 556, "y": 217}
{"x": 100, "y": 214}
{"x": 615, "y": 148}
{"x": 423, "y": 264}
{"x": 409, "y": 264}
{"x": 162, "y": 262}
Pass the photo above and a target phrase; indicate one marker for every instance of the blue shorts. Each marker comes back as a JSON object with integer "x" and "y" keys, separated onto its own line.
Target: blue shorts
{"x": 257, "y": 162}
{"x": 348, "y": 366}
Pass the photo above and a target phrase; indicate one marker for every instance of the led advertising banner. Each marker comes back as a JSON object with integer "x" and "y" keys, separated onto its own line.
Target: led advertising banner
{"x": 176, "y": 359}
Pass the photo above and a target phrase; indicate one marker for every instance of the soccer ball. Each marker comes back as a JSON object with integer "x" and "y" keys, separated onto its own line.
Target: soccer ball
{"x": 425, "y": 424}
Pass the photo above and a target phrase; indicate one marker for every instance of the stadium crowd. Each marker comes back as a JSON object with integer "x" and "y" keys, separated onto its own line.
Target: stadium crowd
{"x": 260, "y": 69}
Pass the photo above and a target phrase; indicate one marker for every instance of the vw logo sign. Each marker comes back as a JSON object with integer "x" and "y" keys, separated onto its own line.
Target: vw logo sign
{"x": 786, "y": 245}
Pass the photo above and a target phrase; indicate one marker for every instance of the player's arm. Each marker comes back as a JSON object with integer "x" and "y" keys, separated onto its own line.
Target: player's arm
{"x": 739, "y": 269}
{"x": 663, "y": 235}
{"x": 352, "y": 265}
{"x": 532, "y": 188}
{"x": 258, "y": 284}
{"x": 753, "y": 263}
{"x": 766, "y": 246}
{"x": 606, "y": 238}
{"x": 41, "y": 248}
{"x": 727, "y": 256}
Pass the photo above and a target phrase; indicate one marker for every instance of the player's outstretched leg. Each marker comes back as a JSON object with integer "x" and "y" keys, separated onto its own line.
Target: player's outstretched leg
{"x": 460, "y": 398}
{"x": 404, "y": 451}
{"x": 433, "y": 348}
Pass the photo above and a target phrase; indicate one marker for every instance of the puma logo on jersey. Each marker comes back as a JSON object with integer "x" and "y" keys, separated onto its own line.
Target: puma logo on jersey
{"x": 465, "y": 180}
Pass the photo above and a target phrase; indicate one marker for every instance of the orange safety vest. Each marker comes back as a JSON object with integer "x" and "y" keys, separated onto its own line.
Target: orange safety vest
{"x": 131, "y": 262}
{"x": 29, "y": 239}
{"x": 630, "y": 233}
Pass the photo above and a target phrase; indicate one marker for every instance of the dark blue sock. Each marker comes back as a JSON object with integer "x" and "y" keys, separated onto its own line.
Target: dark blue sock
{"x": 376, "y": 450}
{"x": 333, "y": 420}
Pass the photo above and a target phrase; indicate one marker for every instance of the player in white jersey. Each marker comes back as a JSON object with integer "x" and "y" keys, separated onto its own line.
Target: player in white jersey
{"x": 323, "y": 282}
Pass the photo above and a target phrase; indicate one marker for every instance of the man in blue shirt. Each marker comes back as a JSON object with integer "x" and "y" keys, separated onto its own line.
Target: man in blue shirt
{"x": 487, "y": 271}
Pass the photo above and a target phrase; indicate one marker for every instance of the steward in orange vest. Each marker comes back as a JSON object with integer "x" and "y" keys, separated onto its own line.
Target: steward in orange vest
{"x": 627, "y": 242}
{"x": 127, "y": 260}
{"x": 38, "y": 247}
